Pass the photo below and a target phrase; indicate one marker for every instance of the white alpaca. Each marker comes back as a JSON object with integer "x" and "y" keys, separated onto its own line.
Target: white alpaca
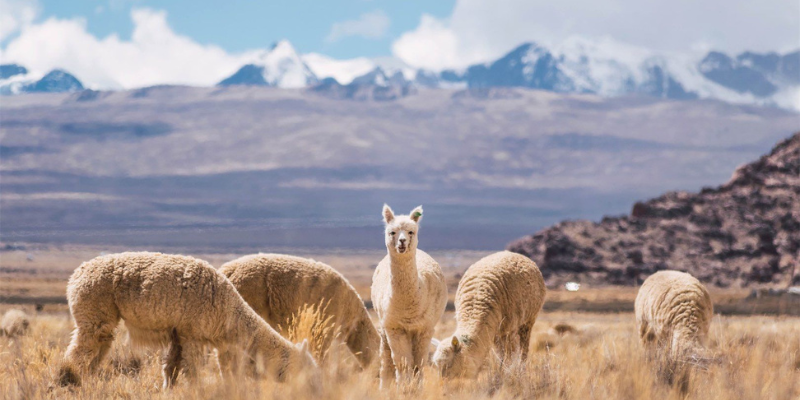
{"x": 409, "y": 294}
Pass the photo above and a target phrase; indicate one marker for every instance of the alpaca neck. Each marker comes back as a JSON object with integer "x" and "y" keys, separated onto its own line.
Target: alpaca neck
{"x": 263, "y": 341}
{"x": 405, "y": 281}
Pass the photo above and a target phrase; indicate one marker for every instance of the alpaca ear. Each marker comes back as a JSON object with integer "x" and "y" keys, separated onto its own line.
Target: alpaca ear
{"x": 456, "y": 344}
{"x": 388, "y": 214}
{"x": 416, "y": 214}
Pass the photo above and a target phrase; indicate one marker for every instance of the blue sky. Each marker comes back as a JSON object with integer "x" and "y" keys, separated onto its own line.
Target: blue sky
{"x": 134, "y": 43}
{"x": 241, "y": 25}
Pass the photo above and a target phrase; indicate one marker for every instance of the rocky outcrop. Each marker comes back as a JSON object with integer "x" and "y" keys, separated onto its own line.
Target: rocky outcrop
{"x": 745, "y": 232}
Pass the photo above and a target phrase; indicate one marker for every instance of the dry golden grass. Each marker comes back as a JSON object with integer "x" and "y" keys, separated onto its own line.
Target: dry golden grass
{"x": 573, "y": 356}
{"x": 311, "y": 324}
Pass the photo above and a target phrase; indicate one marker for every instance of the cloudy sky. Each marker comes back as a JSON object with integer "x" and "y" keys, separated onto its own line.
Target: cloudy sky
{"x": 128, "y": 43}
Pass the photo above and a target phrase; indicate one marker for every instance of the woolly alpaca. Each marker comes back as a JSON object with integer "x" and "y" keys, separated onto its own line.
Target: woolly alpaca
{"x": 14, "y": 323}
{"x": 497, "y": 303}
{"x": 277, "y": 286}
{"x": 673, "y": 312}
{"x": 409, "y": 295}
{"x": 169, "y": 300}
{"x": 673, "y": 315}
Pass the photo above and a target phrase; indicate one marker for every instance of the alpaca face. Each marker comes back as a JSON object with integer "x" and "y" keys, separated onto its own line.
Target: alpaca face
{"x": 401, "y": 231}
{"x": 451, "y": 360}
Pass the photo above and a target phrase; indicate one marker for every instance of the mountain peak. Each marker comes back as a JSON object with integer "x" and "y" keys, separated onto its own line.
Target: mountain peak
{"x": 283, "y": 48}
{"x": 281, "y": 66}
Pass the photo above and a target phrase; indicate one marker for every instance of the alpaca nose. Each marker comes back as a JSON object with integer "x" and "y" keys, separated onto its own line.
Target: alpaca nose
{"x": 402, "y": 241}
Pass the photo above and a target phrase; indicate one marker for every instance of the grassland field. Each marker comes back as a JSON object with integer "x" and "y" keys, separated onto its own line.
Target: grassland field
{"x": 584, "y": 345}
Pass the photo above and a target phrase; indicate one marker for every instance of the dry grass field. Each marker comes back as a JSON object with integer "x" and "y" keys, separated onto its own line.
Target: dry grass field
{"x": 574, "y": 354}
{"x": 753, "y": 358}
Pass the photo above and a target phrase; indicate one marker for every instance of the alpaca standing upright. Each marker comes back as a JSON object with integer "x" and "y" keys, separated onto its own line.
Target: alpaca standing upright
{"x": 409, "y": 294}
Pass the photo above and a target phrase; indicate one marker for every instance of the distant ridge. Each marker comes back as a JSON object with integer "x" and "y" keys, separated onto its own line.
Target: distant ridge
{"x": 16, "y": 79}
{"x": 745, "y": 232}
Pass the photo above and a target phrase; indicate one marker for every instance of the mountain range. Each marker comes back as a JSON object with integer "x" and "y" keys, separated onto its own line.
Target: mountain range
{"x": 260, "y": 167}
{"x": 577, "y": 65}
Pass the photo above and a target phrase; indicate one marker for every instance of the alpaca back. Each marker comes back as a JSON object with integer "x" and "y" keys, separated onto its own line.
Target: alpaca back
{"x": 155, "y": 293}
{"x": 503, "y": 290}
{"x": 673, "y": 309}
{"x": 277, "y": 286}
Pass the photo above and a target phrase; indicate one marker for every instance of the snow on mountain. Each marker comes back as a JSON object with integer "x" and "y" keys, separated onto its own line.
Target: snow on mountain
{"x": 374, "y": 85}
{"x": 604, "y": 66}
{"x": 344, "y": 71}
{"x": 280, "y": 66}
{"x": 609, "y": 68}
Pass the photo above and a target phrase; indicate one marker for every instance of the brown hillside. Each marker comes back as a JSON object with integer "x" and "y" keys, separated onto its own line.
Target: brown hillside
{"x": 745, "y": 232}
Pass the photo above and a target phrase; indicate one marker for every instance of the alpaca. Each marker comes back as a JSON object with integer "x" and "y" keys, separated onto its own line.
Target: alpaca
{"x": 14, "y": 323}
{"x": 409, "y": 295}
{"x": 278, "y": 286}
{"x": 497, "y": 303}
{"x": 673, "y": 314}
{"x": 172, "y": 301}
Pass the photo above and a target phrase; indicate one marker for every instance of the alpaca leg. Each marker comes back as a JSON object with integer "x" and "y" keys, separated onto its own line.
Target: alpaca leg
{"x": 193, "y": 358}
{"x": 89, "y": 345}
{"x": 358, "y": 341}
{"x": 171, "y": 363}
{"x": 229, "y": 362}
{"x": 402, "y": 355}
{"x": 421, "y": 346}
{"x": 508, "y": 346}
{"x": 387, "y": 365}
{"x": 525, "y": 339}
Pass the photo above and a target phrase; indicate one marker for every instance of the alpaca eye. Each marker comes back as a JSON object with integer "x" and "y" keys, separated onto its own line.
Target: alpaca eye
{"x": 391, "y": 233}
{"x": 410, "y": 232}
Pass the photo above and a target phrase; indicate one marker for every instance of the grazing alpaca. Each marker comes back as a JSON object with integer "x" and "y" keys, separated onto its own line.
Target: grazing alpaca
{"x": 409, "y": 294}
{"x": 278, "y": 286}
{"x": 497, "y": 303}
{"x": 673, "y": 315}
{"x": 172, "y": 301}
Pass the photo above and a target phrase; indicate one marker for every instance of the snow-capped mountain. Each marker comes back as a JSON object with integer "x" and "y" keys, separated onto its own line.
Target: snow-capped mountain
{"x": 599, "y": 66}
{"x": 16, "y": 79}
{"x": 345, "y": 71}
{"x": 374, "y": 85}
{"x": 281, "y": 66}
{"x": 609, "y": 68}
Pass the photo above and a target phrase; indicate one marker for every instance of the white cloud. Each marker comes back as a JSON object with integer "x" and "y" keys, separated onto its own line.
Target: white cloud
{"x": 154, "y": 55}
{"x": 479, "y": 30}
{"x": 371, "y": 25}
{"x": 15, "y": 14}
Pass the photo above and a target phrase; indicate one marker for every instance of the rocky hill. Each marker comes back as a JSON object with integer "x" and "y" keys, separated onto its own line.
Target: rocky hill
{"x": 743, "y": 233}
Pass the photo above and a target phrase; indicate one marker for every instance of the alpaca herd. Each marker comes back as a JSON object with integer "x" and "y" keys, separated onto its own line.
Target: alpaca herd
{"x": 186, "y": 307}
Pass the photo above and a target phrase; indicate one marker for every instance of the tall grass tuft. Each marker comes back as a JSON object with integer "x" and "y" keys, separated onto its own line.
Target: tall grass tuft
{"x": 311, "y": 323}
